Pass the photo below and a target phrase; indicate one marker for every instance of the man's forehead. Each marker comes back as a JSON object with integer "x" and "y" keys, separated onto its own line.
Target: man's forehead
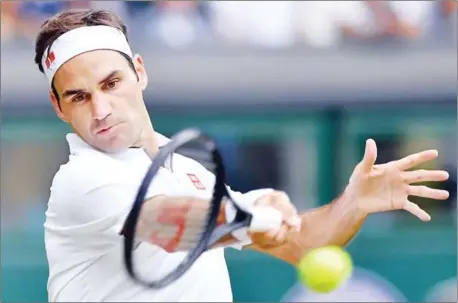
{"x": 92, "y": 65}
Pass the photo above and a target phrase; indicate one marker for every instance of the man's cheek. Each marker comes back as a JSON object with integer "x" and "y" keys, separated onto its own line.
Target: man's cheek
{"x": 82, "y": 124}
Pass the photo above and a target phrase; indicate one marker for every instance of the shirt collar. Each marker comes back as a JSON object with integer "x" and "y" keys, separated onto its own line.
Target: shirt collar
{"x": 76, "y": 144}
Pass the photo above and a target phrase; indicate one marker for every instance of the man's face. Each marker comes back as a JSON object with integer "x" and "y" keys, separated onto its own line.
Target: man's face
{"x": 102, "y": 99}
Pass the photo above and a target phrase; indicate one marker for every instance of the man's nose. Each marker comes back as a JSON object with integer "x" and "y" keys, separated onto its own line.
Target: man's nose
{"x": 101, "y": 108}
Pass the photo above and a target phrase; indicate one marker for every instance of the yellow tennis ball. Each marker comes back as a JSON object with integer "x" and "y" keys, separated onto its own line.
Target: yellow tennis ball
{"x": 325, "y": 269}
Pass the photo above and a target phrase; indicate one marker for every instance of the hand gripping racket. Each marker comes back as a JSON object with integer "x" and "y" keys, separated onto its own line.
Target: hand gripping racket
{"x": 255, "y": 219}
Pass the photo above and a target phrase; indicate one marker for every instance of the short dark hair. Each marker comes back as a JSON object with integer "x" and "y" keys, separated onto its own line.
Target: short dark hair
{"x": 66, "y": 21}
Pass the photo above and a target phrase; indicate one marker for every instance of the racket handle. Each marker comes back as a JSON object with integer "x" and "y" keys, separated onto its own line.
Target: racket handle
{"x": 265, "y": 219}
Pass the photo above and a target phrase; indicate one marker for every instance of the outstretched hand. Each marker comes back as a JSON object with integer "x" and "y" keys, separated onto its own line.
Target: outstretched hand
{"x": 386, "y": 187}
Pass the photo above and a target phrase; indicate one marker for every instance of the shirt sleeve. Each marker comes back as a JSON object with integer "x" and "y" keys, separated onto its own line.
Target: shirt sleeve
{"x": 94, "y": 202}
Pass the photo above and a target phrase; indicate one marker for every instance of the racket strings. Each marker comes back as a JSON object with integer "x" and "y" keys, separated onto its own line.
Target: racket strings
{"x": 198, "y": 151}
{"x": 196, "y": 233}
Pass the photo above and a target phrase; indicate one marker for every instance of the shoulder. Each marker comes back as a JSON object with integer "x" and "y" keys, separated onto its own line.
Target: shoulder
{"x": 90, "y": 188}
{"x": 86, "y": 171}
{"x": 92, "y": 180}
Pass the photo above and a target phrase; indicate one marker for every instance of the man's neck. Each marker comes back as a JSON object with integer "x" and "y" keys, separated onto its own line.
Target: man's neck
{"x": 148, "y": 140}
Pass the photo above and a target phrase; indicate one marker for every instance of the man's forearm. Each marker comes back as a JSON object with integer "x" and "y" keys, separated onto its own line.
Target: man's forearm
{"x": 332, "y": 224}
{"x": 176, "y": 223}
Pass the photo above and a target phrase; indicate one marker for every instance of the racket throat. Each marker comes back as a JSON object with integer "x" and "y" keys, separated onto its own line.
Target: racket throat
{"x": 242, "y": 216}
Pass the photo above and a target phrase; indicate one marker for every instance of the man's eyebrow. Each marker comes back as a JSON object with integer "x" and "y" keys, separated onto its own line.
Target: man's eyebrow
{"x": 71, "y": 92}
{"x": 110, "y": 75}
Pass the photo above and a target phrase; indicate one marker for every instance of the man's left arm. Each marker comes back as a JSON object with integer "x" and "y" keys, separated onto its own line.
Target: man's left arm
{"x": 332, "y": 224}
{"x": 371, "y": 189}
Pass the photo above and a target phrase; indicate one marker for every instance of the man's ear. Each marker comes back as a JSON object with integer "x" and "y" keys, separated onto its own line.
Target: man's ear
{"x": 56, "y": 106}
{"x": 141, "y": 71}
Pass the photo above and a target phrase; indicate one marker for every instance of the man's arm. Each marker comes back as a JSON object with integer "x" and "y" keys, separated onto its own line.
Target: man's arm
{"x": 332, "y": 224}
{"x": 371, "y": 189}
{"x": 176, "y": 223}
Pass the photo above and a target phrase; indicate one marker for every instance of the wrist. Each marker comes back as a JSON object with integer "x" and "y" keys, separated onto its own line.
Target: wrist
{"x": 351, "y": 203}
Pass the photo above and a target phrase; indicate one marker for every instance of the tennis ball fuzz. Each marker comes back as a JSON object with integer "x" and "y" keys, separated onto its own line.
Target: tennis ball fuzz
{"x": 325, "y": 269}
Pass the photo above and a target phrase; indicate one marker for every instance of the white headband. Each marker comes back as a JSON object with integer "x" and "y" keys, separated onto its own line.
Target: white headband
{"x": 81, "y": 40}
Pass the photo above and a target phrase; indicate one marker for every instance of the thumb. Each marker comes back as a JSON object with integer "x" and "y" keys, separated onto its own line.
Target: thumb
{"x": 370, "y": 155}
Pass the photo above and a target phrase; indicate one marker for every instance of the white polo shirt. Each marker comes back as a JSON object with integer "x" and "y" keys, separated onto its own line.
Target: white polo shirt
{"x": 90, "y": 198}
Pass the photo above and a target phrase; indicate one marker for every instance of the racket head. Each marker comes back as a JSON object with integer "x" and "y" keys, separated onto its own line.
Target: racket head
{"x": 207, "y": 145}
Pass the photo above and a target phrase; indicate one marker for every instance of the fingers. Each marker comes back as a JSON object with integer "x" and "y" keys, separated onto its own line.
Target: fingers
{"x": 415, "y": 210}
{"x": 427, "y": 192}
{"x": 270, "y": 238}
{"x": 425, "y": 176}
{"x": 280, "y": 201}
{"x": 278, "y": 236}
{"x": 416, "y": 159}
{"x": 370, "y": 155}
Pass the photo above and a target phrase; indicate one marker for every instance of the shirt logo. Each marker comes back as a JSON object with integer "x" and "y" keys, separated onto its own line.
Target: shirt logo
{"x": 50, "y": 59}
{"x": 196, "y": 182}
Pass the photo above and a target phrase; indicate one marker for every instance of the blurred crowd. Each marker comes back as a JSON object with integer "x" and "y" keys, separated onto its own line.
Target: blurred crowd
{"x": 320, "y": 24}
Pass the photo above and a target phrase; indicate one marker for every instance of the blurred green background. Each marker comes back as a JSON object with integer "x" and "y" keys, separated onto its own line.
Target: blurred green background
{"x": 290, "y": 116}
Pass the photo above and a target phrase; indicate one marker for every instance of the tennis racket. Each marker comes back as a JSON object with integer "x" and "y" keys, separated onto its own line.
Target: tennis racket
{"x": 204, "y": 148}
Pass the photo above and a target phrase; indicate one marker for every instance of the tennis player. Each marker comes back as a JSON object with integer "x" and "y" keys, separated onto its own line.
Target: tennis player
{"x": 95, "y": 85}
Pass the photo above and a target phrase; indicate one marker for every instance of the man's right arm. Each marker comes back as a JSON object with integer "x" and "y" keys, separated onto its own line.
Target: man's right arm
{"x": 98, "y": 201}
{"x": 176, "y": 223}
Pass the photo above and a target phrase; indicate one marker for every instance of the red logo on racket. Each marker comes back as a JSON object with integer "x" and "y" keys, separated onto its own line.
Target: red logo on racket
{"x": 50, "y": 59}
{"x": 196, "y": 181}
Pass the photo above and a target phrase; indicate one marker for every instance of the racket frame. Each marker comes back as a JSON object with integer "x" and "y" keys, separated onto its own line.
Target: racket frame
{"x": 210, "y": 235}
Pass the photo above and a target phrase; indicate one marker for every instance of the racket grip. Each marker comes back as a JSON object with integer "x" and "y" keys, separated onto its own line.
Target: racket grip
{"x": 265, "y": 219}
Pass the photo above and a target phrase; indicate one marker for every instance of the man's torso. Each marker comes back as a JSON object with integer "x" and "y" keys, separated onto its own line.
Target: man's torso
{"x": 84, "y": 266}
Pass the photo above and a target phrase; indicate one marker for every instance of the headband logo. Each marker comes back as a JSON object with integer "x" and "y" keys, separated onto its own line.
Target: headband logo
{"x": 50, "y": 59}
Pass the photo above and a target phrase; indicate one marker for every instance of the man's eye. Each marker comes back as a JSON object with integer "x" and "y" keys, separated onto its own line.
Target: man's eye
{"x": 111, "y": 84}
{"x": 79, "y": 98}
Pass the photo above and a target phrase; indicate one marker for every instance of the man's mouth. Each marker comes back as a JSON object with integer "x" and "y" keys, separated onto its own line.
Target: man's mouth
{"x": 106, "y": 129}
